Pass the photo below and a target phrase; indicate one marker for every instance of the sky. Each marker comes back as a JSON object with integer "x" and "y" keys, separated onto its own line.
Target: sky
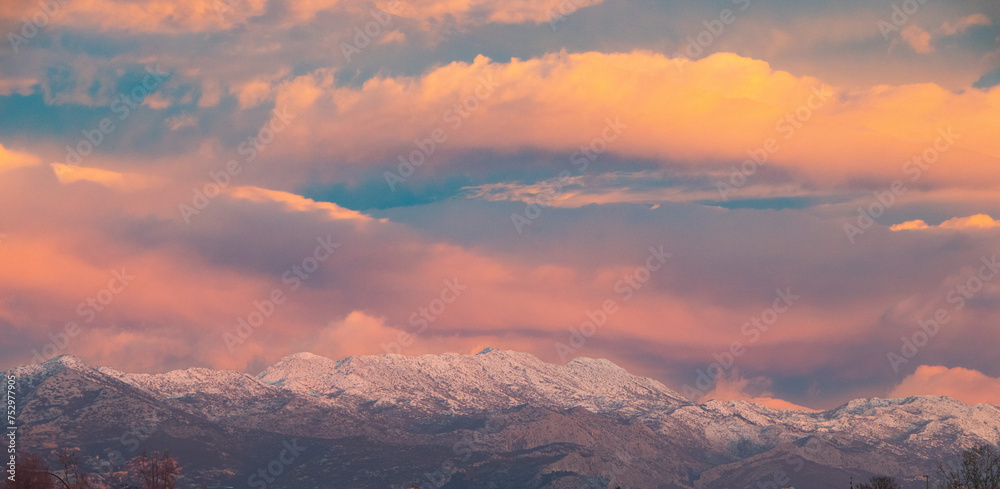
{"x": 791, "y": 202}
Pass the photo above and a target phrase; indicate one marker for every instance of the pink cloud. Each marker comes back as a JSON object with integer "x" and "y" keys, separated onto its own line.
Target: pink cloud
{"x": 735, "y": 389}
{"x": 917, "y": 38}
{"x": 961, "y": 25}
{"x": 968, "y": 386}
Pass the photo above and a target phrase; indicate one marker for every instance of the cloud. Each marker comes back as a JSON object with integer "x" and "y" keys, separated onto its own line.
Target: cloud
{"x": 968, "y": 386}
{"x": 181, "y": 121}
{"x": 508, "y": 124}
{"x": 358, "y": 332}
{"x": 909, "y": 225}
{"x": 159, "y": 16}
{"x": 254, "y": 92}
{"x": 125, "y": 181}
{"x": 950, "y": 29}
{"x": 917, "y": 38}
{"x": 392, "y": 36}
{"x": 722, "y": 109}
{"x": 978, "y": 221}
{"x": 10, "y": 159}
{"x": 20, "y": 86}
{"x": 293, "y": 202}
{"x": 478, "y": 12}
{"x": 735, "y": 389}
{"x": 164, "y": 16}
{"x": 639, "y": 187}
{"x": 193, "y": 281}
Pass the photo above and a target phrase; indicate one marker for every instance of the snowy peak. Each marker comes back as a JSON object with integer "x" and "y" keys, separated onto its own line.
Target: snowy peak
{"x": 67, "y": 361}
{"x": 488, "y": 380}
{"x": 53, "y": 366}
{"x": 192, "y": 381}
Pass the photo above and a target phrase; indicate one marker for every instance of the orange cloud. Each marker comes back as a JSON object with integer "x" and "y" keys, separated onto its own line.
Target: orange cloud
{"x": 10, "y": 159}
{"x": 968, "y": 386}
{"x": 293, "y": 202}
{"x": 978, "y": 221}
{"x": 124, "y": 181}
{"x": 909, "y": 225}
{"x": 710, "y": 112}
{"x": 982, "y": 221}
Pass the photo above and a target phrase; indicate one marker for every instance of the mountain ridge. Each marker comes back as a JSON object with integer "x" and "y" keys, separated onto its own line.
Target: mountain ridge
{"x": 557, "y": 425}
{"x": 267, "y": 375}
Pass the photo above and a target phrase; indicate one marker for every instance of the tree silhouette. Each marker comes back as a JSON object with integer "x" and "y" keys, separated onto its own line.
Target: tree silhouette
{"x": 978, "y": 469}
{"x": 156, "y": 470}
{"x": 881, "y": 482}
{"x": 73, "y": 477}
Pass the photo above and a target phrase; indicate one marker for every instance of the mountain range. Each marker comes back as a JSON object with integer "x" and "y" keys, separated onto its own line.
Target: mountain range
{"x": 497, "y": 419}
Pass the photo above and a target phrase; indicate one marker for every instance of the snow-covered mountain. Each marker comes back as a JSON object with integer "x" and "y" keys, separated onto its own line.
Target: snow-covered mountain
{"x": 498, "y": 417}
{"x": 492, "y": 379}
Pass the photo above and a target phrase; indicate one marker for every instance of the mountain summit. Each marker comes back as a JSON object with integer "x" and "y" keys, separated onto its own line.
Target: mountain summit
{"x": 490, "y": 380}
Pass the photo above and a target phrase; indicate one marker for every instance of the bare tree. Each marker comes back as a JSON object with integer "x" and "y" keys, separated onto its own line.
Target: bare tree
{"x": 156, "y": 471}
{"x": 31, "y": 472}
{"x": 881, "y": 482}
{"x": 979, "y": 468}
{"x": 72, "y": 476}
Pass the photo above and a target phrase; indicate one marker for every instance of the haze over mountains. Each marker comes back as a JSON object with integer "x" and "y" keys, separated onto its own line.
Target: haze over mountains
{"x": 495, "y": 419}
